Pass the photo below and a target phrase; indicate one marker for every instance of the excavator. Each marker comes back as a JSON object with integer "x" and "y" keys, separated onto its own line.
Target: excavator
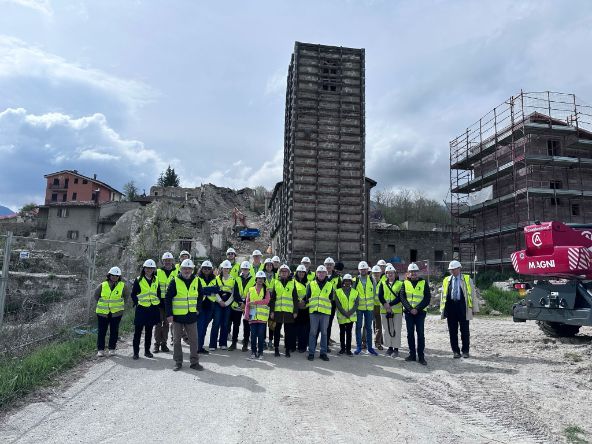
{"x": 558, "y": 257}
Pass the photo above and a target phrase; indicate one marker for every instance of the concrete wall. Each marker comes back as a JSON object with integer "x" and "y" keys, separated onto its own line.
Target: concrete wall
{"x": 81, "y": 219}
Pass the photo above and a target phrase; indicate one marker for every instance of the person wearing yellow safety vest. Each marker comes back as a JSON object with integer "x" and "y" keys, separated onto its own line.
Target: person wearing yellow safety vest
{"x": 310, "y": 274}
{"x": 366, "y": 288}
{"x": 231, "y": 257}
{"x": 222, "y": 309}
{"x": 146, "y": 298}
{"x": 182, "y": 256}
{"x": 269, "y": 281}
{"x": 303, "y": 319}
{"x": 319, "y": 296}
{"x": 415, "y": 298}
{"x": 276, "y": 261}
{"x": 391, "y": 311}
{"x": 257, "y": 264}
{"x": 378, "y": 277}
{"x": 257, "y": 313}
{"x": 242, "y": 284}
{"x": 208, "y": 288}
{"x": 283, "y": 307}
{"x": 110, "y": 296}
{"x": 346, "y": 302}
{"x": 164, "y": 275}
{"x": 181, "y": 305}
{"x": 335, "y": 279}
{"x": 458, "y": 303}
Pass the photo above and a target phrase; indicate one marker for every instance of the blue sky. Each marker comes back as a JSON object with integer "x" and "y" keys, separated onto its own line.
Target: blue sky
{"x": 123, "y": 88}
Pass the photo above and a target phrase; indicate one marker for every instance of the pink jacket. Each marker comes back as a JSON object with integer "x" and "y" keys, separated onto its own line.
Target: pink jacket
{"x": 264, "y": 301}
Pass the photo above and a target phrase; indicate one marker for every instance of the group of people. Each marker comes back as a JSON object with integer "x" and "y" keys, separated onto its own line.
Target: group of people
{"x": 266, "y": 297}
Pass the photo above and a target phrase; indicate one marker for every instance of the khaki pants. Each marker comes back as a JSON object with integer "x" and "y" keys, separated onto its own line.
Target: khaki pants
{"x": 396, "y": 324}
{"x": 161, "y": 330}
{"x": 377, "y": 326}
{"x": 191, "y": 333}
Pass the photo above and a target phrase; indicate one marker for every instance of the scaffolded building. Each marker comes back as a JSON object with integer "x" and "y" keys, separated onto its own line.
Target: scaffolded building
{"x": 528, "y": 159}
{"x": 320, "y": 208}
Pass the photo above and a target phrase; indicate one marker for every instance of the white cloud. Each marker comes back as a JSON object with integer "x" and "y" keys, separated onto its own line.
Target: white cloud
{"x": 41, "y": 6}
{"x": 276, "y": 84}
{"x": 54, "y": 141}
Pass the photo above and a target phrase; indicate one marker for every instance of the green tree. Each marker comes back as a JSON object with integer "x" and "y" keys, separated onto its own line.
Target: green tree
{"x": 130, "y": 190}
{"x": 169, "y": 178}
{"x": 28, "y": 207}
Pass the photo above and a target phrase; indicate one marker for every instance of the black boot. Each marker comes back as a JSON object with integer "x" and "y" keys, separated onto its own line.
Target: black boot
{"x": 157, "y": 348}
{"x": 287, "y": 353}
{"x": 277, "y": 352}
{"x": 164, "y": 348}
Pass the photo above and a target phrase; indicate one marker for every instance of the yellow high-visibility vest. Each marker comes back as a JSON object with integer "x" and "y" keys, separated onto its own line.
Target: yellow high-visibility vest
{"x": 111, "y": 301}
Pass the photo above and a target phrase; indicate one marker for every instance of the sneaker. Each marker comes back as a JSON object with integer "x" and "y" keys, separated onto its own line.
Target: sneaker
{"x": 287, "y": 353}
{"x": 410, "y": 358}
{"x": 358, "y": 351}
{"x": 372, "y": 352}
{"x": 112, "y": 353}
{"x": 332, "y": 342}
{"x": 203, "y": 351}
{"x": 260, "y": 357}
{"x": 422, "y": 361}
{"x": 380, "y": 347}
{"x": 395, "y": 353}
{"x": 100, "y": 354}
{"x": 364, "y": 347}
{"x": 389, "y": 352}
{"x": 252, "y": 357}
{"x": 466, "y": 355}
{"x": 349, "y": 353}
{"x": 164, "y": 348}
{"x": 232, "y": 347}
{"x": 136, "y": 357}
{"x": 148, "y": 354}
{"x": 324, "y": 357}
{"x": 177, "y": 367}
{"x": 342, "y": 351}
{"x": 245, "y": 346}
{"x": 456, "y": 355}
{"x": 277, "y": 353}
{"x": 196, "y": 366}
{"x": 302, "y": 351}
{"x": 310, "y": 357}
{"x": 328, "y": 350}
{"x": 156, "y": 348}
{"x": 223, "y": 347}
{"x": 212, "y": 349}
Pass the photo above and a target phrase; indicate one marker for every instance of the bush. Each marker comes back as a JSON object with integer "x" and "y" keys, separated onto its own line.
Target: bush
{"x": 499, "y": 300}
{"x": 484, "y": 279}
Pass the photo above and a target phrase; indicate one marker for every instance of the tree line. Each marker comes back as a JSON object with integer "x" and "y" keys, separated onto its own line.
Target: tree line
{"x": 400, "y": 205}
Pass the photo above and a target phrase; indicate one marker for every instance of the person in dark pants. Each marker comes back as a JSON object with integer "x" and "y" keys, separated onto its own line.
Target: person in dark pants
{"x": 303, "y": 319}
{"x": 335, "y": 280}
{"x": 242, "y": 283}
{"x": 110, "y": 296}
{"x": 346, "y": 301}
{"x": 164, "y": 275}
{"x": 146, "y": 298}
{"x": 208, "y": 289}
{"x": 415, "y": 297}
{"x": 283, "y": 307}
{"x": 257, "y": 313}
{"x": 457, "y": 306}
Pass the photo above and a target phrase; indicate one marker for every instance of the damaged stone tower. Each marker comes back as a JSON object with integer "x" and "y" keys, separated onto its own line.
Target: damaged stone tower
{"x": 321, "y": 206}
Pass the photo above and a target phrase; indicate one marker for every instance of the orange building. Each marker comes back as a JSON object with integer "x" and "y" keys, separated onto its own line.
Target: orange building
{"x": 71, "y": 186}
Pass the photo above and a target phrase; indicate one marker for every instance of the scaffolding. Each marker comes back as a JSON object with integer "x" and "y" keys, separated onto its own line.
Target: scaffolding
{"x": 528, "y": 159}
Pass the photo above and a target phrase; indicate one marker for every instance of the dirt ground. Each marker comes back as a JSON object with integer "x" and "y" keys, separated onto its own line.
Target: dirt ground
{"x": 518, "y": 386}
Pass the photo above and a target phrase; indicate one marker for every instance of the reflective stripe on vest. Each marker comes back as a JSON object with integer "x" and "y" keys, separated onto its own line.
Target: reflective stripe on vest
{"x": 212, "y": 283}
{"x": 111, "y": 301}
{"x": 164, "y": 280}
{"x": 320, "y": 298}
{"x": 283, "y": 296}
{"x": 261, "y": 311}
{"x": 347, "y": 303}
{"x": 390, "y": 293}
{"x": 148, "y": 292}
{"x": 300, "y": 289}
{"x": 446, "y": 285}
{"x": 185, "y": 300}
{"x": 366, "y": 293}
{"x": 415, "y": 294}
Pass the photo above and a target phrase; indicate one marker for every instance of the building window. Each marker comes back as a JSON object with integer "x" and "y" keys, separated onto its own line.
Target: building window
{"x": 438, "y": 255}
{"x": 84, "y": 181}
{"x": 555, "y": 201}
{"x": 56, "y": 182}
{"x": 376, "y": 248}
{"x": 575, "y": 209}
{"x": 185, "y": 245}
{"x": 553, "y": 148}
{"x": 73, "y": 235}
{"x": 391, "y": 249}
{"x": 63, "y": 212}
{"x": 54, "y": 197}
{"x": 74, "y": 196}
{"x": 64, "y": 197}
{"x": 156, "y": 193}
{"x": 412, "y": 255}
{"x": 93, "y": 196}
{"x": 555, "y": 184}
{"x": 76, "y": 180}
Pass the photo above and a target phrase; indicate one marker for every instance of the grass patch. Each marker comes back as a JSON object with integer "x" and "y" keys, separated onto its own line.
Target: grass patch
{"x": 575, "y": 434}
{"x": 498, "y": 300}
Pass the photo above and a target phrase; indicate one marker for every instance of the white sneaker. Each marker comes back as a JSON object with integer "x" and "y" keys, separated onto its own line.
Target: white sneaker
{"x": 212, "y": 349}
{"x": 100, "y": 354}
{"x": 112, "y": 353}
{"x": 223, "y": 347}
{"x": 260, "y": 357}
{"x": 252, "y": 357}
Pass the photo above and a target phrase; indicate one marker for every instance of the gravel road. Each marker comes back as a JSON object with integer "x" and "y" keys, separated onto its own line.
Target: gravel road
{"x": 518, "y": 386}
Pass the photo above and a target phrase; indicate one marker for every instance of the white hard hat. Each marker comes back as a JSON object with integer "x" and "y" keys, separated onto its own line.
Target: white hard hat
{"x": 347, "y": 277}
{"x": 275, "y": 259}
{"x": 376, "y": 269}
{"x": 389, "y": 268}
{"x": 363, "y": 265}
{"x": 230, "y": 250}
{"x": 256, "y": 253}
{"x": 321, "y": 268}
{"x": 301, "y": 268}
{"x": 184, "y": 252}
{"x": 115, "y": 271}
{"x": 284, "y": 267}
{"x": 305, "y": 260}
{"x": 187, "y": 263}
{"x": 168, "y": 255}
{"x": 267, "y": 261}
{"x": 329, "y": 260}
{"x": 149, "y": 263}
{"x": 225, "y": 264}
{"x": 412, "y": 267}
{"x": 206, "y": 264}
{"x": 381, "y": 263}
{"x": 246, "y": 265}
{"x": 260, "y": 274}
{"x": 454, "y": 264}
{"x": 388, "y": 263}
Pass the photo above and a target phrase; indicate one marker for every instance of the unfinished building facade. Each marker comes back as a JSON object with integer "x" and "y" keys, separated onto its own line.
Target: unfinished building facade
{"x": 320, "y": 208}
{"x": 529, "y": 159}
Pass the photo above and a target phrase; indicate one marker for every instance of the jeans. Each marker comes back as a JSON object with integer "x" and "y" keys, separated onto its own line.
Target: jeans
{"x": 364, "y": 316}
{"x": 203, "y": 320}
{"x": 318, "y": 322}
{"x": 111, "y": 322}
{"x": 138, "y": 335}
{"x": 220, "y": 324}
{"x": 257, "y": 337}
{"x": 416, "y": 323}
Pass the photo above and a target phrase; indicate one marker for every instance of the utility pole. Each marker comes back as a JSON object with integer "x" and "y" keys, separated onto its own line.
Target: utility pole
{"x": 5, "y": 270}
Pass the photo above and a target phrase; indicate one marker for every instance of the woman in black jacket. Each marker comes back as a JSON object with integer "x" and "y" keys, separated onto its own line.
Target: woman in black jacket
{"x": 146, "y": 298}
